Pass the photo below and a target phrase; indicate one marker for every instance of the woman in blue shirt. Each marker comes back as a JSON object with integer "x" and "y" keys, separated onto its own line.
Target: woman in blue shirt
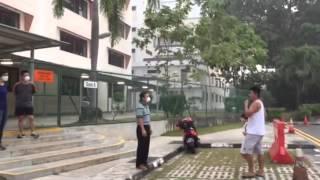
{"x": 3, "y": 105}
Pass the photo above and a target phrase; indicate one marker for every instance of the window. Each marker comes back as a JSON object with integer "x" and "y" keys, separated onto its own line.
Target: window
{"x": 217, "y": 98}
{"x": 117, "y": 59}
{"x": 9, "y": 18}
{"x": 153, "y": 71}
{"x": 134, "y": 29}
{"x": 124, "y": 30}
{"x": 116, "y": 90}
{"x": 167, "y": 42}
{"x": 70, "y": 86}
{"x": 149, "y": 52}
{"x": 76, "y": 45}
{"x": 78, "y": 6}
{"x": 134, "y": 8}
{"x": 133, "y": 50}
{"x": 220, "y": 99}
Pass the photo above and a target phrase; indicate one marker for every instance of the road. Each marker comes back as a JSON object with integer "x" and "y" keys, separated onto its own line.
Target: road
{"x": 312, "y": 134}
{"x": 313, "y": 130}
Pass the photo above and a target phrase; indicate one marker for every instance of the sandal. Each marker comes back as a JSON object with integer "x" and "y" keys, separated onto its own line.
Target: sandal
{"x": 248, "y": 176}
{"x": 260, "y": 176}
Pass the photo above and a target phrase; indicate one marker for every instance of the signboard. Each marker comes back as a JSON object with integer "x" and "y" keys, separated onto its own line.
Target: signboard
{"x": 90, "y": 84}
{"x": 43, "y": 76}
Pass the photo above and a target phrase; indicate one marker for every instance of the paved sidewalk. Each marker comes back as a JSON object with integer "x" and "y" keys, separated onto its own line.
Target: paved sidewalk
{"x": 160, "y": 146}
{"x": 119, "y": 169}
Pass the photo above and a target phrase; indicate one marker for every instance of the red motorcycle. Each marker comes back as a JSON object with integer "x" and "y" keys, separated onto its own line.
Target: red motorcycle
{"x": 190, "y": 139}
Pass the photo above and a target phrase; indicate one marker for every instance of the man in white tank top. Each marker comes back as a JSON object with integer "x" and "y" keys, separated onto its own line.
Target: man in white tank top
{"x": 255, "y": 131}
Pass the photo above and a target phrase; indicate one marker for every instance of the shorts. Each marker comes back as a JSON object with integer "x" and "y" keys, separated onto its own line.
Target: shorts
{"x": 24, "y": 111}
{"x": 252, "y": 145}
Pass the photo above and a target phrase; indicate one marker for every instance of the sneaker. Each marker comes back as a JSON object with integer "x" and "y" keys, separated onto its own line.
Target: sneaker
{"x": 35, "y": 136}
{"x": 2, "y": 148}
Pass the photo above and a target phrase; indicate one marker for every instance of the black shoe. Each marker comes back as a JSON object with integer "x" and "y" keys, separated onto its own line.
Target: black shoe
{"x": 2, "y": 148}
{"x": 20, "y": 136}
{"x": 35, "y": 136}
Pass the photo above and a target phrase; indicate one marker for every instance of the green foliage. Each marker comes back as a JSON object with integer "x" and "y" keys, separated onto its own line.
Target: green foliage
{"x": 167, "y": 25}
{"x": 291, "y": 30}
{"x": 173, "y": 104}
{"x": 227, "y": 43}
{"x": 58, "y": 8}
{"x": 112, "y": 10}
{"x": 314, "y": 109}
{"x": 299, "y": 70}
{"x": 280, "y": 23}
{"x": 275, "y": 113}
{"x": 234, "y": 104}
{"x": 268, "y": 99}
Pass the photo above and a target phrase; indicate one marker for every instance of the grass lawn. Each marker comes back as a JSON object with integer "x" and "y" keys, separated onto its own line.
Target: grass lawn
{"x": 208, "y": 130}
{"x": 217, "y": 164}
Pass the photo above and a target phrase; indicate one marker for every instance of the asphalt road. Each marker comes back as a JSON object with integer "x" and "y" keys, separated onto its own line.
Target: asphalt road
{"x": 313, "y": 130}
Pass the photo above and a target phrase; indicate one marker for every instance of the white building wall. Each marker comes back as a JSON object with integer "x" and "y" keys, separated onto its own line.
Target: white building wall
{"x": 44, "y": 23}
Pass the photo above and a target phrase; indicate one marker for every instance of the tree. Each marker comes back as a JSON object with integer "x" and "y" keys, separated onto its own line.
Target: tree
{"x": 279, "y": 22}
{"x": 299, "y": 69}
{"x": 291, "y": 30}
{"x": 168, "y": 27}
{"x": 226, "y": 43}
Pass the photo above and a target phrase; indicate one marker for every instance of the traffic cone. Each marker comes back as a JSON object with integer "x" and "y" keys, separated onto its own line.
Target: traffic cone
{"x": 306, "y": 121}
{"x": 291, "y": 127}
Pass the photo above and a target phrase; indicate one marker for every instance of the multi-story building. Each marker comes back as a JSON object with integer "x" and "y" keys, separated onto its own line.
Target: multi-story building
{"x": 203, "y": 92}
{"x": 74, "y": 28}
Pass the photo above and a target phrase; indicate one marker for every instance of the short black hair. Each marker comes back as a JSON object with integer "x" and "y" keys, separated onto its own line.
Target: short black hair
{"x": 143, "y": 94}
{"x": 256, "y": 90}
{"x": 23, "y": 72}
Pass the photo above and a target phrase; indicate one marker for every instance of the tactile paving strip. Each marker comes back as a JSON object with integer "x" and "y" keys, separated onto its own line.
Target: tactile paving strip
{"x": 204, "y": 166}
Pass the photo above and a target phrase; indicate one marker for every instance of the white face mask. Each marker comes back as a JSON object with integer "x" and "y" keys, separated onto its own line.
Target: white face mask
{"x": 27, "y": 78}
{"x": 5, "y": 78}
{"x": 148, "y": 99}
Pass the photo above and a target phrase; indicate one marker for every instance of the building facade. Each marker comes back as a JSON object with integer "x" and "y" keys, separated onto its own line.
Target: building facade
{"x": 74, "y": 28}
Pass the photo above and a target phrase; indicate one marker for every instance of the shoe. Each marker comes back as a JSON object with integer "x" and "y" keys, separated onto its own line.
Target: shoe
{"x": 20, "y": 136}
{"x": 35, "y": 136}
{"x": 2, "y": 148}
{"x": 260, "y": 176}
{"x": 142, "y": 167}
{"x": 248, "y": 176}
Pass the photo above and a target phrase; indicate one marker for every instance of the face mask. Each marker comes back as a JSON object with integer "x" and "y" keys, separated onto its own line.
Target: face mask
{"x": 148, "y": 99}
{"x": 5, "y": 78}
{"x": 27, "y": 78}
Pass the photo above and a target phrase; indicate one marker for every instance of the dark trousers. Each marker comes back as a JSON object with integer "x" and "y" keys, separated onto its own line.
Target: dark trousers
{"x": 143, "y": 146}
{"x": 3, "y": 120}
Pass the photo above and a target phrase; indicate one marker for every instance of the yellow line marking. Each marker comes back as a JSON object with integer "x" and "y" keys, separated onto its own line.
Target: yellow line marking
{"x": 14, "y": 133}
{"x": 308, "y": 137}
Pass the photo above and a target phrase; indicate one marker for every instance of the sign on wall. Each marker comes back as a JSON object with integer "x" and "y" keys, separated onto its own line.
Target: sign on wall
{"x": 43, "y": 76}
{"x": 90, "y": 84}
